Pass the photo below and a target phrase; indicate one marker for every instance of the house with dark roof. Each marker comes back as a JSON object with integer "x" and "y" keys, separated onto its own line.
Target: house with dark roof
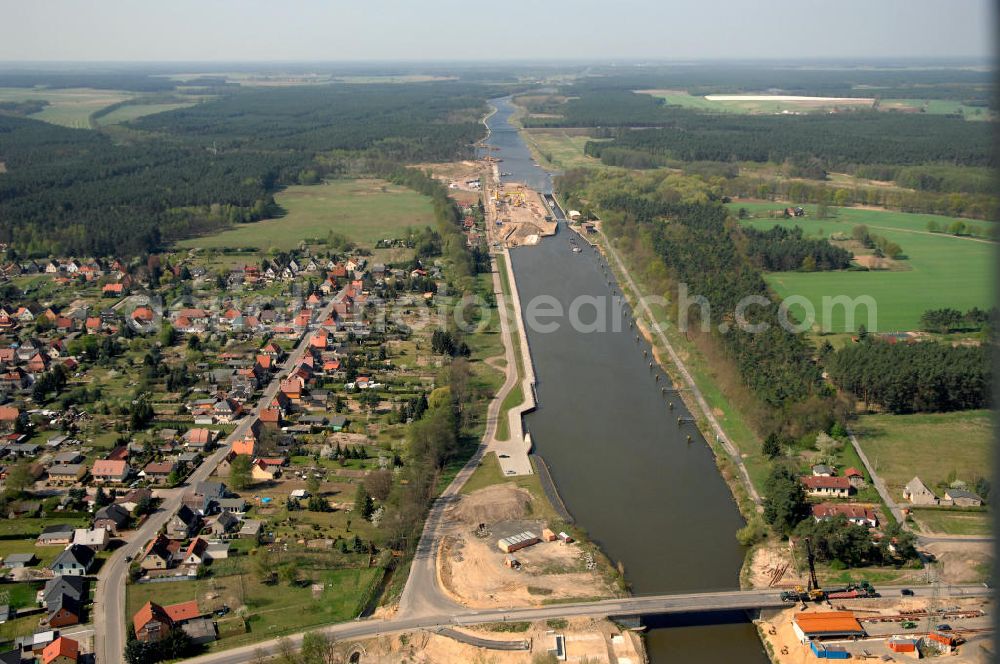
{"x": 19, "y": 560}
{"x": 183, "y": 524}
{"x": 72, "y": 586}
{"x": 156, "y": 555}
{"x": 962, "y": 498}
{"x": 75, "y": 560}
{"x": 63, "y": 611}
{"x": 113, "y": 518}
{"x": 225, "y": 524}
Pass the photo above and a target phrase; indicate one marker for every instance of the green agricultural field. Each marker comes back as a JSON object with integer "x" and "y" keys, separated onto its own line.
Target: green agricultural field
{"x": 937, "y": 447}
{"x": 559, "y": 149}
{"x": 942, "y": 107}
{"x": 941, "y": 270}
{"x": 133, "y": 111}
{"x": 69, "y": 107}
{"x": 363, "y": 210}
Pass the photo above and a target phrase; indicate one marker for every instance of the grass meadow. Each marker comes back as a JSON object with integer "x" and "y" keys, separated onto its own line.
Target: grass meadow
{"x": 362, "y": 210}
{"x": 70, "y": 107}
{"x": 941, "y": 270}
{"x": 937, "y": 447}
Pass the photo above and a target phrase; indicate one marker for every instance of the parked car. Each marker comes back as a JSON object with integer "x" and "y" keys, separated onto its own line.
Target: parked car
{"x": 943, "y": 627}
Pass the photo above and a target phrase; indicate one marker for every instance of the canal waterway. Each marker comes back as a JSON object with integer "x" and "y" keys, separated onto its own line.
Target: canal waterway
{"x": 619, "y": 454}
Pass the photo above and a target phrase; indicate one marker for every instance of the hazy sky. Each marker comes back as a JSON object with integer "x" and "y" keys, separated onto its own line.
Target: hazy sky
{"x": 257, "y": 30}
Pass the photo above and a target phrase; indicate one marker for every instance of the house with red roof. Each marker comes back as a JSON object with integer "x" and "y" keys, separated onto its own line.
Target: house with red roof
{"x": 61, "y": 651}
{"x": 827, "y": 487}
{"x": 151, "y": 623}
{"x": 110, "y": 470}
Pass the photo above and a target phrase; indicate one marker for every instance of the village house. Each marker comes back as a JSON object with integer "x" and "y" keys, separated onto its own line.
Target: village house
{"x": 9, "y": 416}
{"x": 261, "y": 472}
{"x": 855, "y": 477}
{"x": 110, "y": 471}
{"x": 75, "y": 560}
{"x": 158, "y": 472}
{"x": 133, "y": 498}
{"x": 19, "y": 560}
{"x": 194, "y": 554}
{"x": 61, "y": 651}
{"x": 224, "y": 524}
{"x": 64, "y": 597}
{"x": 67, "y": 473}
{"x": 860, "y": 515}
{"x": 96, "y": 538}
{"x": 183, "y": 524}
{"x": 962, "y": 498}
{"x": 56, "y": 535}
{"x": 826, "y": 487}
{"x": 917, "y": 493}
{"x": 156, "y": 556}
{"x": 153, "y": 622}
{"x": 113, "y": 518}
{"x": 200, "y": 439}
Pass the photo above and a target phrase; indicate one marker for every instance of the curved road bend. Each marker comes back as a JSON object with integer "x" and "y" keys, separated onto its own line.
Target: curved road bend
{"x": 109, "y": 596}
{"x": 628, "y": 606}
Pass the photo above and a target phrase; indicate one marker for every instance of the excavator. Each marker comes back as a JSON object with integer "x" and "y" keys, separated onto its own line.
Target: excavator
{"x": 813, "y": 593}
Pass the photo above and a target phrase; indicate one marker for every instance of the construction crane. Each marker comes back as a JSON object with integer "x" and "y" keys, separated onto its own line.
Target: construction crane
{"x": 814, "y": 593}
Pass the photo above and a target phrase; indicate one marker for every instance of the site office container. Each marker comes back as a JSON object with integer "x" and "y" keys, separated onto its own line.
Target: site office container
{"x": 828, "y": 652}
{"x": 902, "y": 645}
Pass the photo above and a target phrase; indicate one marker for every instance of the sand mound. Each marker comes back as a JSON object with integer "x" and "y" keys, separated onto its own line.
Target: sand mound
{"x": 502, "y": 502}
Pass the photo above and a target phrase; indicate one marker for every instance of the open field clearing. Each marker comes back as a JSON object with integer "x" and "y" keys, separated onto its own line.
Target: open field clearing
{"x": 941, "y": 107}
{"x": 322, "y": 597}
{"x": 936, "y": 264}
{"x": 70, "y": 107}
{"x": 560, "y": 149}
{"x": 937, "y": 447}
{"x": 953, "y": 522}
{"x": 756, "y": 103}
{"x": 751, "y": 103}
{"x": 133, "y": 111}
{"x": 362, "y": 210}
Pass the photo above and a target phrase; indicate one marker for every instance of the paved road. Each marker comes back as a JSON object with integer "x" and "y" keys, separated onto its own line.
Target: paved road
{"x": 422, "y": 594}
{"x": 479, "y": 642}
{"x": 109, "y": 596}
{"x": 897, "y": 510}
{"x": 629, "y": 606}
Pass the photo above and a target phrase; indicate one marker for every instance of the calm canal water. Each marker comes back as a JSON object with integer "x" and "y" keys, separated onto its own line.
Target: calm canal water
{"x": 621, "y": 461}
